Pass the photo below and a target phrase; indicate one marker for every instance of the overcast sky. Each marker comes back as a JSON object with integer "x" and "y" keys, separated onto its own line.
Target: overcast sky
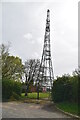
{"x": 24, "y": 27}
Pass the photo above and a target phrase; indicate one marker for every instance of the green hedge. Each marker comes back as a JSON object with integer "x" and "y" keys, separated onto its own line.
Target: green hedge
{"x": 9, "y": 87}
{"x": 65, "y": 88}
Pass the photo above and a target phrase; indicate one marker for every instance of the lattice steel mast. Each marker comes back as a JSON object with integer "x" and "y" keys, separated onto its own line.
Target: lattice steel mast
{"x": 45, "y": 75}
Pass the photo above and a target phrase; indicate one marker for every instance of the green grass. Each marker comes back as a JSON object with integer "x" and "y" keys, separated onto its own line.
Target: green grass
{"x": 34, "y": 95}
{"x": 68, "y": 107}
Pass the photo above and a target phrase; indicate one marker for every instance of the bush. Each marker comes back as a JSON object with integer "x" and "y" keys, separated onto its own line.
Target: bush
{"x": 9, "y": 87}
{"x": 75, "y": 87}
{"x": 14, "y": 96}
{"x": 65, "y": 88}
{"x": 17, "y": 88}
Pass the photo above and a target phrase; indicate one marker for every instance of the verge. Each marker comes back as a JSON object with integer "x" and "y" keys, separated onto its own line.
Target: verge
{"x": 67, "y": 113}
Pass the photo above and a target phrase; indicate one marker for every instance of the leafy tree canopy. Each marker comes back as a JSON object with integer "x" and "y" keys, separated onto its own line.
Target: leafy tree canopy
{"x": 12, "y": 67}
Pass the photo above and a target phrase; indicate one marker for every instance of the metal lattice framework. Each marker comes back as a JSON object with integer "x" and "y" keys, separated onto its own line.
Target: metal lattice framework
{"x": 45, "y": 75}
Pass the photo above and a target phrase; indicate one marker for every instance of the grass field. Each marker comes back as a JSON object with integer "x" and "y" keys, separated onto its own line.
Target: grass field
{"x": 34, "y": 95}
{"x": 69, "y": 107}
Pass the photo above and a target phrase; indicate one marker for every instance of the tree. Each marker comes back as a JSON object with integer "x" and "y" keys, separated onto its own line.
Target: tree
{"x": 12, "y": 67}
{"x": 31, "y": 71}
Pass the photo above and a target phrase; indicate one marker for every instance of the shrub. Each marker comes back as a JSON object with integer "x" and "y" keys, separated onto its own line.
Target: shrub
{"x": 14, "y": 96}
{"x": 17, "y": 88}
{"x": 74, "y": 91}
{"x": 9, "y": 87}
{"x": 65, "y": 88}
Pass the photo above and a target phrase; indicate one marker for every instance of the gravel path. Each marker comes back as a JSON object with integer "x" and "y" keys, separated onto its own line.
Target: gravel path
{"x": 29, "y": 110}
